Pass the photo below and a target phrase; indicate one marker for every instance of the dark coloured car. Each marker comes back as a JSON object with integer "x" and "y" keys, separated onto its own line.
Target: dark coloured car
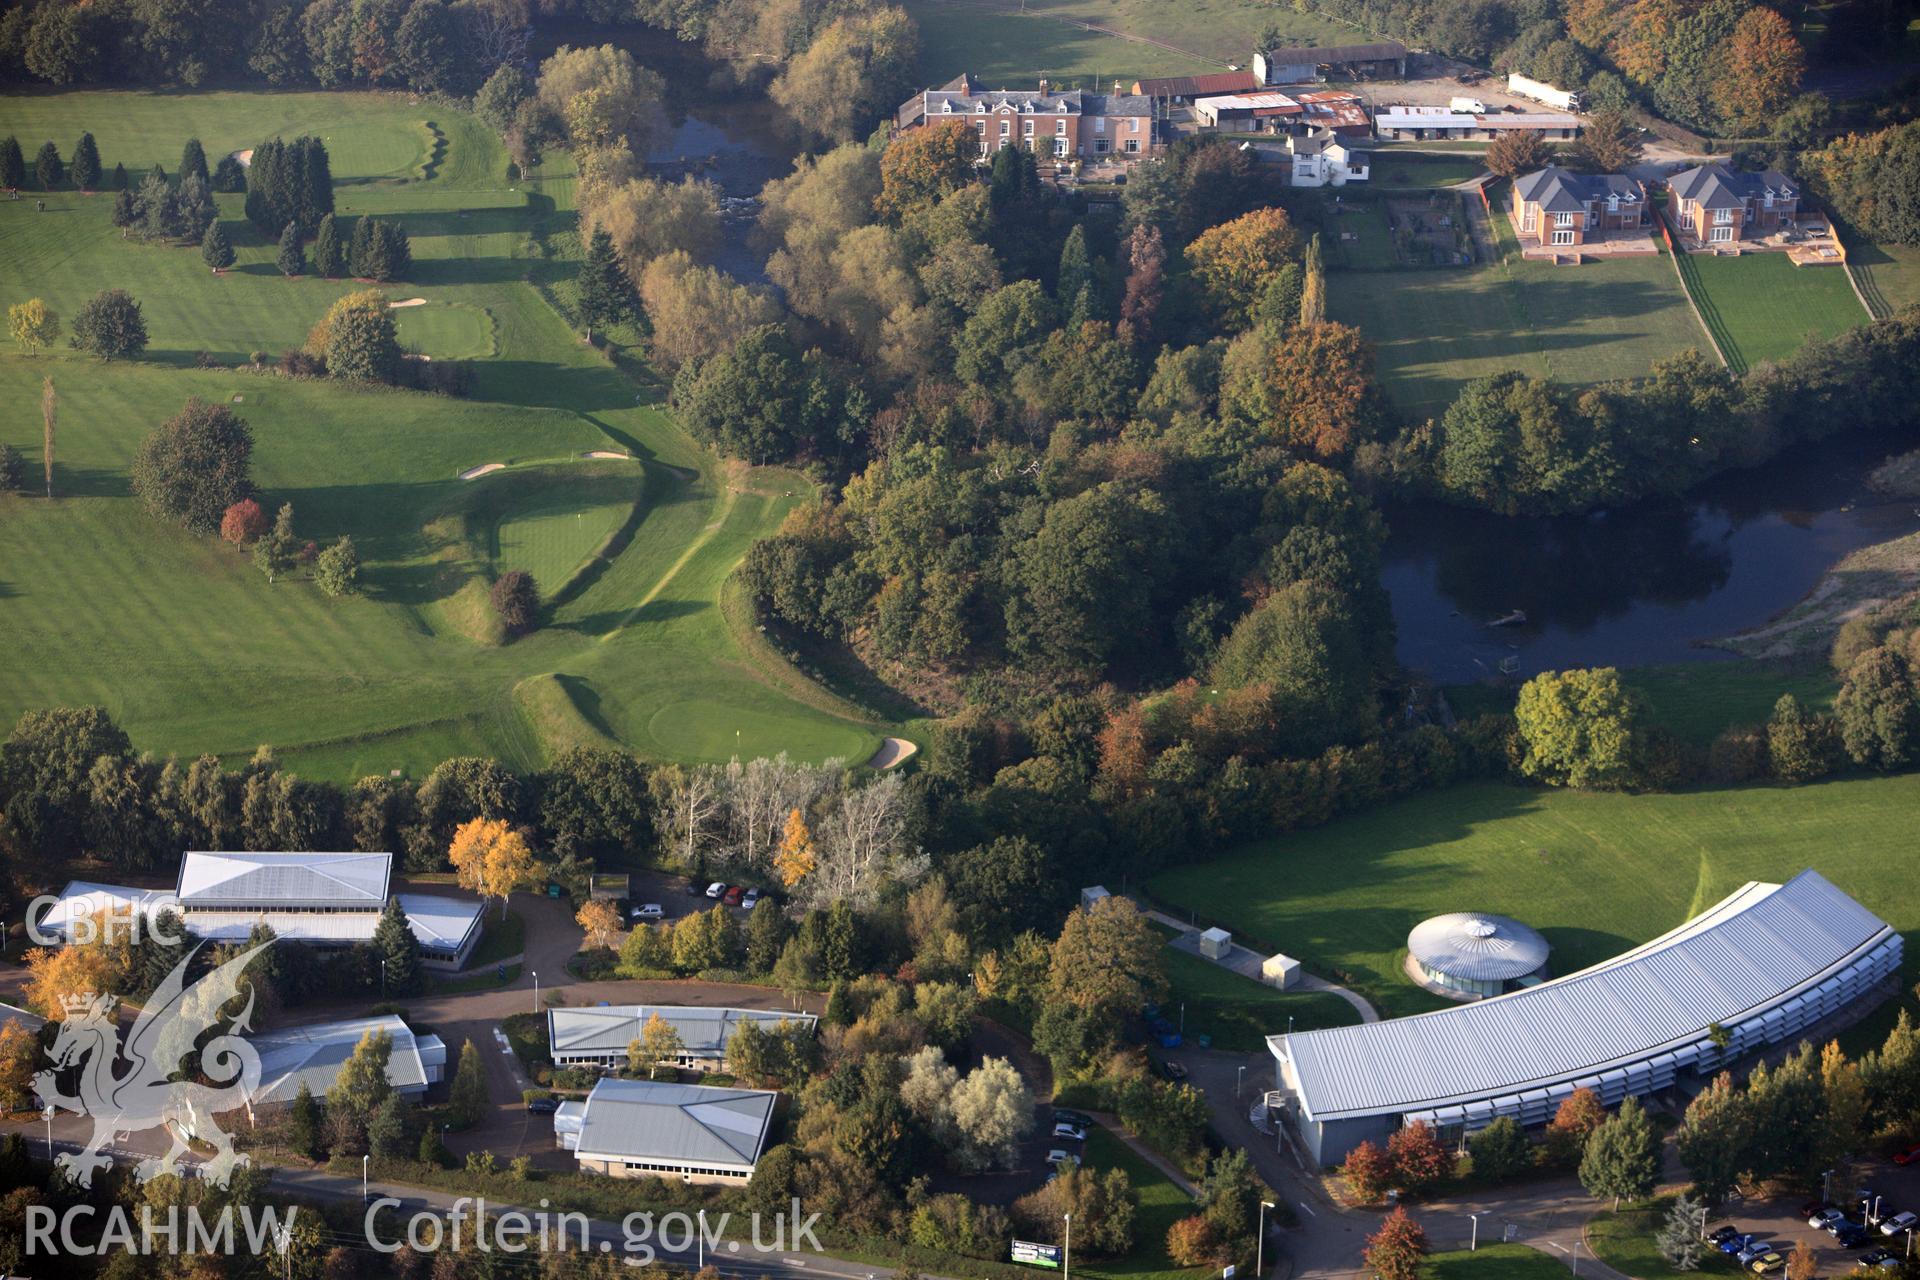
{"x": 1734, "y": 1243}
{"x": 1719, "y": 1234}
{"x": 544, "y": 1105}
{"x": 1908, "y": 1156}
{"x": 1067, "y": 1115}
{"x": 1173, "y": 1071}
{"x": 1850, "y": 1235}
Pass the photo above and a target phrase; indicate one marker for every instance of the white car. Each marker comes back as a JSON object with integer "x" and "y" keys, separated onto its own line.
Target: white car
{"x": 1898, "y": 1223}
{"x": 1071, "y": 1132}
{"x": 717, "y": 888}
{"x": 752, "y": 898}
{"x": 1057, "y": 1157}
{"x": 651, "y": 911}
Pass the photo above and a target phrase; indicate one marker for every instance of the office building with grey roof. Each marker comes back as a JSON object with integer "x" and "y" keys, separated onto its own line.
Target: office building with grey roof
{"x": 642, "y": 1128}
{"x": 1762, "y": 966}
{"x": 600, "y": 1036}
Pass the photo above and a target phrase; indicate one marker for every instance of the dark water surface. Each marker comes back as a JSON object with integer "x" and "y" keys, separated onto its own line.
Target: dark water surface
{"x": 1644, "y": 584}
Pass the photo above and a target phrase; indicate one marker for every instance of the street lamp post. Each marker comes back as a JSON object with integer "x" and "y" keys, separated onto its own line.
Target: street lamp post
{"x": 1239, "y": 1079}
{"x": 363, "y": 1177}
{"x": 1576, "y": 1255}
{"x": 1473, "y": 1240}
{"x": 536, "y": 990}
{"x": 1826, "y": 1186}
{"x": 1066, "y": 1253}
{"x": 1260, "y": 1246}
{"x": 48, "y": 1113}
{"x": 383, "y": 979}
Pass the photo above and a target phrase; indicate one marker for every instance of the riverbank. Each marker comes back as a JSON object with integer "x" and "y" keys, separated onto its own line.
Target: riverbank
{"x": 1864, "y": 580}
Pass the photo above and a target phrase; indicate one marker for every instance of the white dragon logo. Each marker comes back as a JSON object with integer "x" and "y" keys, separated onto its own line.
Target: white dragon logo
{"x": 146, "y": 1097}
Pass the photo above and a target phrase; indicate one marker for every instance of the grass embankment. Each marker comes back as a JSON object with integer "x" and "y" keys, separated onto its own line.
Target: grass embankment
{"x": 1759, "y": 306}
{"x": 1595, "y": 873}
{"x": 1239, "y": 1013}
{"x": 1493, "y": 1262}
{"x": 1007, "y": 43}
{"x": 192, "y": 650}
{"x": 1625, "y": 1242}
{"x": 1436, "y": 330}
{"x": 1161, "y": 1205}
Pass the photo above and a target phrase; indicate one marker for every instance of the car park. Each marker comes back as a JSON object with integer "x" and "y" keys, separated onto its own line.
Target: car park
{"x": 734, "y": 895}
{"x": 752, "y": 898}
{"x": 1899, "y": 1222}
{"x": 1071, "y": 1132}
{"x": 717, "y": 888}
{"x": 647, "y": 913}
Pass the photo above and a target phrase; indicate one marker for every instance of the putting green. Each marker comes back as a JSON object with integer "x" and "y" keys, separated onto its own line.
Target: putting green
{"x": 445, "y": 331}
{"x": 555, "y": 530}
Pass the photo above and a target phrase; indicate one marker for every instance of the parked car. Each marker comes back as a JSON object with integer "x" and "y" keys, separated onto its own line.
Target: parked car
{"x": 1737, "y": 1241}
{"x": 1898, "y": 1223}
{"x": 1824, "y": 1218}
{"x": 751, "y": 900}
{"x": 1767, "y": 1262}
{"x": 1173, "y": 1071}
{"x": 1071, "y": 1132}
{"x": 1881, "y": 1258}
{"x": 1756, "y": 1249}
{"x": 1812, "y": 1207}
{"x": 647, "y": 913}
{"x": 544, "y": 1105}
{"x": 734, "y": 895}
{"x": 1908, "y": 1156}
{"x": 1057, "y": 1156}
{"x": 1727, "y": 1232}
{"x": 1067, "y": 1115}
{"x": 1850, "y": 1235}
{"x": 717, "y": 888}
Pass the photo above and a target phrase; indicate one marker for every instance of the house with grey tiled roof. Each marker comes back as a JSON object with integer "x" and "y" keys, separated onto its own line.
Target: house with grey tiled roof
{"x": 1557, "y": 208}
{"x": 1715, "y": 205}
{"x": 1060, "y": 124}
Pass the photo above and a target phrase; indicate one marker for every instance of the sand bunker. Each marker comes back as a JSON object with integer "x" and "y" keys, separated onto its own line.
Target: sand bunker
{"x": 410, "y": 302}
{"x": 892, "y": 751}
{"x": 608, "y": 453}
{"x": 244, "y": 157}
{"x": 474, "y": 473}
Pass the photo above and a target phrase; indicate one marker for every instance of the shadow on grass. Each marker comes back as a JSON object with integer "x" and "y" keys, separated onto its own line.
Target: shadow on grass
{"x": 607, "y": 621}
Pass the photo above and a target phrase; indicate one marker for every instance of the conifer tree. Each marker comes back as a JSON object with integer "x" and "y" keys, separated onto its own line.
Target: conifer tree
{"x": 229, "y": 176}
{"x": 47, "y": 169}
{"x": 316, "y": 187}
{"x": 395, "y": 942}
{"x": 156, "y": 214}
{"x": 605, "y": 294}
{"x": 193, "y": 207}
{"x": 292, "y": 259}
{"x": 193, "y": 160}
{"x": 389, "y": 255}
{"x": 13, "y": 165}
{"x": 303, "y": 1125}
{"x": 125, "y": 211}
{"x": 215, "y": 250}
{"x": 329, "y": 255}
{"x": 86, "y": 163}
{"x": 467, "y": 1099}
{"x": 360, "y": 248}
{"x": 118, "y": 180}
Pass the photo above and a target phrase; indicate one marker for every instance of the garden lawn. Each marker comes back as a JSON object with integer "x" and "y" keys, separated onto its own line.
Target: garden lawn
{"x": 193, "y": 651}
{"x": 1888, "y": 274}
{"x": 1436, "y": 330}
{"x": 1239, "y": 1013}
{"x": 1596, "y": 873}
{"x": 1008, "y": 44}
{"x": 1493, "y": 1262}
{"x": 1760, "y": 306}
{"x": 1161, "y": 1205}
{"x": 1424, "y": 169}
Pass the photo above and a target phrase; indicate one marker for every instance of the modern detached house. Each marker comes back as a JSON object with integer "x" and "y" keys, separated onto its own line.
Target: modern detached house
{"x": 1557, "y": 208}
{"x": 1067, "y": 124}
{"x": 1715, "y": 205}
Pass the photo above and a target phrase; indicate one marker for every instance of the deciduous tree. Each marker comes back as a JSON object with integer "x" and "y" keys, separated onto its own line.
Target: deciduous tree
{"x": 1581, "y": 729}
{"x": 357, "y": 338}
{"x": 1368, "y": 1172}
{"x": 336, "y": 571}
{"x": 1233, "y": 262}
{"x": 195, "y": 465}
{"x": 1762, "y": 63}
{"x": 598, "y": 919}
{"x": 35, "y": 325}
{"x": 109, "y": 324}
{"x": 1622, "y": 1159}
{"x": 658, "y": 1045}
{"x": 242, "y": 522}
{"x": 1517, "y": 151}
{"x": 516, "y": 601}
{"x": 1419, "y": 1162}
{"x": 492, "y": 859}
{"x": 1609, "y": 143}
{"x": 1394, "y": 1252}
{"x": 1501, "y": 1151}
{"x": 923, "y": 166}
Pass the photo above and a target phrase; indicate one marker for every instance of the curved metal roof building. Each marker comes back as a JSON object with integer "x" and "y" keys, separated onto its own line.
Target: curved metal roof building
{"x": 1765, "y": 963}
{"x": 1476, "y": 953}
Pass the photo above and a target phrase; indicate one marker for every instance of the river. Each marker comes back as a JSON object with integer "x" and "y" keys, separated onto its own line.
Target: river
{"x": 1643, "y": 584}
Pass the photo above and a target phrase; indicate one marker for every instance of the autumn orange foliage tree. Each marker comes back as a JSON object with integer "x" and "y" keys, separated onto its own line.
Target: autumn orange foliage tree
{"x": 491, "y": 858}
{"x": 1320, "y": 389}
{"x": 1395, "y": 1250}
{"x": 54, "y": 974}
{"x": 921, "y": 167}
{"x": 1761, "y": 69}
{"x": 1234, "y": 262}
{"x": 1368, "y": 1172}
{"x": 795, "y": 860}
{"x": 598, "y": 919}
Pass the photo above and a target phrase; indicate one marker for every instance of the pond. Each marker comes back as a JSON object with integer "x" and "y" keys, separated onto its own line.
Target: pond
{"x": 1644, "y": 584}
